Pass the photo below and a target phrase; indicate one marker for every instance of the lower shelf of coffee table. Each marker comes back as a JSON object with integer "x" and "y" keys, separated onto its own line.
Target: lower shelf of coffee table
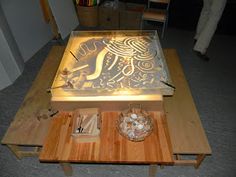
{"x": 111, "y": 147}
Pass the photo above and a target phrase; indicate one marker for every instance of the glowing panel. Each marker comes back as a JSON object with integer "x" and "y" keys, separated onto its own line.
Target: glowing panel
{"x": 112, "y": 65}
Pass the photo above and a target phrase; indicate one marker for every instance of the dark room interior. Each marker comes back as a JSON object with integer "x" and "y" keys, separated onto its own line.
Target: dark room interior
{"x": 34, "y": 32}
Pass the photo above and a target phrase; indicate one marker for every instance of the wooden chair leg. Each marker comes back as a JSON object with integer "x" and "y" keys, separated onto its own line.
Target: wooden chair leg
{"x": 163, "y": 31}
{"x": 67, "y": 168}
{"x": 152, "y": 170}
{"x": 37, "y": 149}
{"x": 19, "y": 153}
{"x": 16, "y": 150}
{"x": 141, "y": 24}
{"x": 177, "y": 156}
{"x": 199, "y": 160}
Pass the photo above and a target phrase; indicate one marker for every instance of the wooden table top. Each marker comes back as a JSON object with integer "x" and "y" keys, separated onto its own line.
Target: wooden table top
{"x": 185, "y": 128}
{"x": 59, "y": 145}
{"x": 26, "y": 129}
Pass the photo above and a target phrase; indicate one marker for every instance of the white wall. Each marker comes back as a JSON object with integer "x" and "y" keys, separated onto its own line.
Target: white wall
{"x": 11, "y": 62}
{"x": 27, "y": 25}
{"x": 4, "y": 79}
{"x": 7, "y": 58}
{"x": 66, "y": 21}
{"x": 23, "y": 32}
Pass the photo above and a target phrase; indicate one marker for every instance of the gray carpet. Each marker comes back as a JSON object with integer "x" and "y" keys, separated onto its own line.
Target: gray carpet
{"x": 213, "y": 86}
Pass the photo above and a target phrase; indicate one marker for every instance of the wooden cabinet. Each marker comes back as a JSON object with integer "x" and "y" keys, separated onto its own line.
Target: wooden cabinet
{"x": 131, "y": 16}
{"x": 123, "y": 16}
{"x": 108, "y": 17}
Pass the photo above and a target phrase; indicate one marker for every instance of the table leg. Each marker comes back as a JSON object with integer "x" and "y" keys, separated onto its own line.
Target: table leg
{"x": 20, "y": 153}
{"x": 152, "y": 170}
{"x": 16, "y": 150}
{"x": 66, "y": 168}
{"x": 199, "y": 160}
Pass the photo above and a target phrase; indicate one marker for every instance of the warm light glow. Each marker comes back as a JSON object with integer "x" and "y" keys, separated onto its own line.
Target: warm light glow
{"x": 111, "y": 98}
{"x": 111, "y": 67}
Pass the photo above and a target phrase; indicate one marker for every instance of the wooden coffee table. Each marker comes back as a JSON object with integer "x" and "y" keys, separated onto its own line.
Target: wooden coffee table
{"x": 187, "y": 134}
{"x": 61, "y": 147}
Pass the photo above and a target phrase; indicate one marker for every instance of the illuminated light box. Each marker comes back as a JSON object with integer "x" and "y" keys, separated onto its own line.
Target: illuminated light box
{"x": 110, "y": 70}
